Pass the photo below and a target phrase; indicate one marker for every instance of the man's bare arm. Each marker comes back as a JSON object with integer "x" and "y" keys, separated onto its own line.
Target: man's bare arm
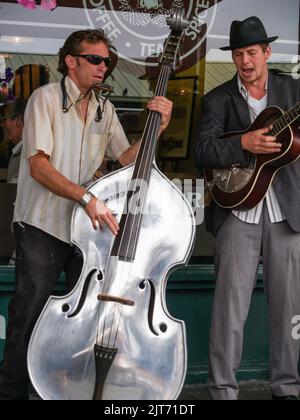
{"x": 129, "y": 156}
{"x": 43, "y": 172}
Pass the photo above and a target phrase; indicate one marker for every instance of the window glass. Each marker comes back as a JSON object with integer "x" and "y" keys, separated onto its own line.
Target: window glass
{"x": 30, "y": 42}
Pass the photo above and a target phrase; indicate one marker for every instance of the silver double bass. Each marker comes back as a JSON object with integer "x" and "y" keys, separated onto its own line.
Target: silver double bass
{"x": 112, "y": 337}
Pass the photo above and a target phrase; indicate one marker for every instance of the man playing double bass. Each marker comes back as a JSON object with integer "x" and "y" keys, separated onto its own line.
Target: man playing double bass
{"x": 66, "y": 135}
{"x": 273, "y": 226}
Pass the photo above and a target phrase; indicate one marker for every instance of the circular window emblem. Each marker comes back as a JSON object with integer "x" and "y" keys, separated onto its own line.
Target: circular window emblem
{"x": 138, "y": 28}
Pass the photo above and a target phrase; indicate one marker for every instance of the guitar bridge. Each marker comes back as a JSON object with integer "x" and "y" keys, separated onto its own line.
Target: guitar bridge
{"x": 235, "y": 169}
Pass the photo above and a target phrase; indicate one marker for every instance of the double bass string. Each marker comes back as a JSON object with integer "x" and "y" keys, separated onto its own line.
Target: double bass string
{"x": 151, "y": 123}
{"x": 162, "y": 80}
{"x": 149, "y": 161}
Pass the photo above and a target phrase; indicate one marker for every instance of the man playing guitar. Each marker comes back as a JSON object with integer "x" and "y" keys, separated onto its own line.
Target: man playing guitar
{"x": 273, "y": 226}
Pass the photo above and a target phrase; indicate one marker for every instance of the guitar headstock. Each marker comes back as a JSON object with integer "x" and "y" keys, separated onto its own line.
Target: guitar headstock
{"x": 173, "y": 46}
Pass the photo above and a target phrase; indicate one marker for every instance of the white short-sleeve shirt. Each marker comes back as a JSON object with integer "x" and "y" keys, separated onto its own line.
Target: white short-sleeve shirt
{"x": 76, "y": 149}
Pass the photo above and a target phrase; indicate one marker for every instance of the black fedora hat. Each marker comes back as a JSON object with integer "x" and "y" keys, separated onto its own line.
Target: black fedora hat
{"x": 250, "y": 31}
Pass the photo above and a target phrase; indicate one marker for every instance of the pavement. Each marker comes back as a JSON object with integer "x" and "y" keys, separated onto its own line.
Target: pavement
{"x": 249, "y": 391}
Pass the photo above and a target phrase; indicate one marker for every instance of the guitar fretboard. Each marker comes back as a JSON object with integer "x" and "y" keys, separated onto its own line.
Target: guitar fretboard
{"x": 285, "y": 120}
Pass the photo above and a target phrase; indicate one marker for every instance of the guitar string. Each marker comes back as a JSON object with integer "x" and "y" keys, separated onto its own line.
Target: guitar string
{"x": 282, "y": 119}
{"x": 285, "y": 125}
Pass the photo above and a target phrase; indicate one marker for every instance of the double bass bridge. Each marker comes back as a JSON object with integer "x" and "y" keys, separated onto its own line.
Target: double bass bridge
{"x": 122, "y": 301}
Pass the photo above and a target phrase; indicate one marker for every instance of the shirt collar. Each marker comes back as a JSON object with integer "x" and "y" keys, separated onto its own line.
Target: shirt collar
{"x": 242, "y": 88}
{"x": 74, "y": 92}
{"x": 17, "y": 149}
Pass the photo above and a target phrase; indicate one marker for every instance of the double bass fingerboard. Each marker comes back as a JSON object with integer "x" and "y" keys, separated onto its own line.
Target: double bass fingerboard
{"x": 125, "y": 243}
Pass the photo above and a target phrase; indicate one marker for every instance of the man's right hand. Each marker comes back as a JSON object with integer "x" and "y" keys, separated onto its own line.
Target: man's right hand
{"x": 101, "y": 215}
{"x": 258, "y": 143}
{"x": 43, "y": 172}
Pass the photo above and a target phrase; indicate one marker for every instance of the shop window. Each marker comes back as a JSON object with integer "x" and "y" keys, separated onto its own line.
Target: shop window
{"x": 134, "y": 84}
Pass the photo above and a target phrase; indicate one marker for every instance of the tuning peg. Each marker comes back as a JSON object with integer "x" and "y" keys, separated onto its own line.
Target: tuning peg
{"x": 178, "y": 21}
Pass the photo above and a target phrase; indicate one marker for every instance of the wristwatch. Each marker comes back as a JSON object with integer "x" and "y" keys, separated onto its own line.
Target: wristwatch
{"x": 87, "y": 197}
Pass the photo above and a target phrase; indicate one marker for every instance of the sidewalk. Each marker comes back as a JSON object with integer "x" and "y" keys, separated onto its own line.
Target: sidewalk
{"x": 250, "y": 390}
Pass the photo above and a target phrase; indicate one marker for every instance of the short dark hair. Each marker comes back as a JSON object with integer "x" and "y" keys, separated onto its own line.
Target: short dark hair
{"x": 72, "y": 45}
{"x": 14, "y": 109}
{"x": 264, "y": 46}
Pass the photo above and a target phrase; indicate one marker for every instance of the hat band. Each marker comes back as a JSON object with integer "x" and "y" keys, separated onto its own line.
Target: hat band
{"x": 247, "y": 41}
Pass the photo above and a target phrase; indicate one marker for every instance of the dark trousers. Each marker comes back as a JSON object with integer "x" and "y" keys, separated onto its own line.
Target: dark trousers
{"x": 40, "y": 259}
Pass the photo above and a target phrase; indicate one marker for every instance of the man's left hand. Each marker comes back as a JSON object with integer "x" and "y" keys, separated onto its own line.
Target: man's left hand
{"x": 164, "y": 107}
{"x": 158, "y": 104}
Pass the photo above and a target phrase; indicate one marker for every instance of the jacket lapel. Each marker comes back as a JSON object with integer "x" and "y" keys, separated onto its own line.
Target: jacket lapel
{"x": 239, "y": 103}
{"x": 276, "y": 96}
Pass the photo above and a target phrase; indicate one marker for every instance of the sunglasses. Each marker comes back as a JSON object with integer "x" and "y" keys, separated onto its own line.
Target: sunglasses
{"x": 96, "y": 60}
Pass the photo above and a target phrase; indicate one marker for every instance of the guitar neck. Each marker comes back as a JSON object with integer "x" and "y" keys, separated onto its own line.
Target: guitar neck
{"x": 286, "y": 119}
